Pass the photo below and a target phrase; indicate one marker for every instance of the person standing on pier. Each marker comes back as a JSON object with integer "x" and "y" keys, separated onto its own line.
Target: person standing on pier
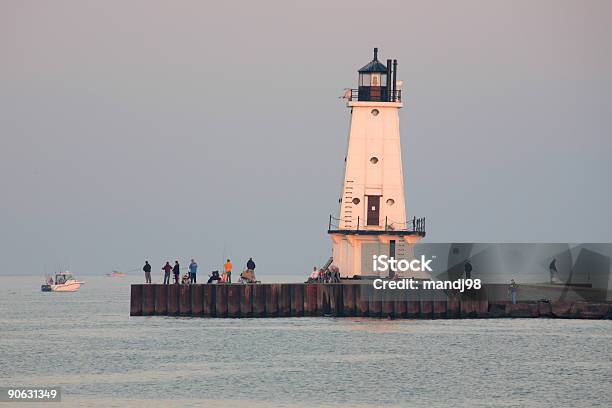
{"x": 554, "y": 274}
{"x": 177, "y": 271}
{"x": 167, "y": 268}
{"x": 228, "y": 270}
{"x": 147, "y": 270}
{"x": 512, "y": 289}
{"x": 193, "y": 269}
{"x": 467, "y": 269}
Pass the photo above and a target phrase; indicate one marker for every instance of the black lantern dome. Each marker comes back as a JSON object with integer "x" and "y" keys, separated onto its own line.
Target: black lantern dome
{"x": 374, "y": 65}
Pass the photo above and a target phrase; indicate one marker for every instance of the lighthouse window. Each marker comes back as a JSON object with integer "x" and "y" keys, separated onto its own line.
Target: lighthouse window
{"x": 374, "y": 160}
{"x": 375, "y": 112}
{"x": 390, "y": 201}
{"x": 364, "y": 80}
{"x": 375, "y": 80}
{"x": 356, "y": 201}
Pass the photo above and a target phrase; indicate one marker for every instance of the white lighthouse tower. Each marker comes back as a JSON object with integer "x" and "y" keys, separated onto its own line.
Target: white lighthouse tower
{"x": 372, "y": 219}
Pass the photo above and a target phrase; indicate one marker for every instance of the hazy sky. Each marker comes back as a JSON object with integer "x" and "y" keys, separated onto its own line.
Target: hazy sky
{"x": 134, "y": 130}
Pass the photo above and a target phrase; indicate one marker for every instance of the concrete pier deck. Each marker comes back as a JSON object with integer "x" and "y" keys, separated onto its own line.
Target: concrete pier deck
{"x": 341, "y": 300}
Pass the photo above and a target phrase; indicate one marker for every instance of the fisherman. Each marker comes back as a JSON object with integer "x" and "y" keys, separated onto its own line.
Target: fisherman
{"x": 512, "y": 289}
{"x": 554, "y": 273}
{"x": 214, "y": 277}
{"x": 167, "y": 268}
{"x": 251, "y": 265}
{"x": 314, "y": 275}
{"x": 177, "y": 271}
{"x": 186, "y": 278}
{"x": 467, "y": 268}
{"x": 147, "y": 270}
{"x": 193, "y": 269}
{"x": 334, "y": 273}
{"x": 228, "y": 271}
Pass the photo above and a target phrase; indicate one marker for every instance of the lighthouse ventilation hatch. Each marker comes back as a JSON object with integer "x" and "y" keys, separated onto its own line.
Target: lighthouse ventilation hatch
{"x": 372, "y": 218}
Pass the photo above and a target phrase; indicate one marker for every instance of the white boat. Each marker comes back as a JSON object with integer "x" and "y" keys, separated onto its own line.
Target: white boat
{"x": 64, "y": 282}
{"x": 116, "y": 274}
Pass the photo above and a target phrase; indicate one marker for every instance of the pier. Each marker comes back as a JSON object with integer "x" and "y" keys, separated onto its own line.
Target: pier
{"x": 346, "y": 300}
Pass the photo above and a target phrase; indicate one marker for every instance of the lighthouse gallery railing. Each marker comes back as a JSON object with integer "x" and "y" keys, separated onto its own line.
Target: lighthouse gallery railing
{"x": 414, "y": 225}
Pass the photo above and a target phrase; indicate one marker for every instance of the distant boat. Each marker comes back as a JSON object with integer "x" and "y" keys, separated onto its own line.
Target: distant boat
{"x": 116, "y": 274}
{"x": 64, "y": 282}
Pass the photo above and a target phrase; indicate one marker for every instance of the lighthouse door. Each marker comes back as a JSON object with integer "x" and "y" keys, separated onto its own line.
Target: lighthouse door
{"x": 373, "y": 210}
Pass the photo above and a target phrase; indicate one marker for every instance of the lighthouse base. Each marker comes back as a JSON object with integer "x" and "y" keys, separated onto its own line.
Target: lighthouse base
{"x": 353, "y": 252}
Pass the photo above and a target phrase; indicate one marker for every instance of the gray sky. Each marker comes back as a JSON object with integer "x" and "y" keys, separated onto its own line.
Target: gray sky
{"x": 161, "y": 130}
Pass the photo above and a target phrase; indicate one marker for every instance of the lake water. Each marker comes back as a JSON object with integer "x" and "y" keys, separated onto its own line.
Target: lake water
{"x": 87, "y": 343}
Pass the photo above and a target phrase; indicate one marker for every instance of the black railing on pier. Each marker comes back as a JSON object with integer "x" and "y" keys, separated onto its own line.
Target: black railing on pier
{"x": 379, "y": 94}
{"x": 413, "y": 226}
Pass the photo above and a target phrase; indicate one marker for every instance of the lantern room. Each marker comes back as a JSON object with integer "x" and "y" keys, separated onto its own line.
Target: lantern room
{"x": 376, "y": 81}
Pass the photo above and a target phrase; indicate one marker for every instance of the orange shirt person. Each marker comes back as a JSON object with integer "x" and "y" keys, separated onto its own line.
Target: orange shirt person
{"x": 228, "y": 270}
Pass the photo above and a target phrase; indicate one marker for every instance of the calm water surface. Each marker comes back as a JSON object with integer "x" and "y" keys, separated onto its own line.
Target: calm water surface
{"x": 86, "y": 343}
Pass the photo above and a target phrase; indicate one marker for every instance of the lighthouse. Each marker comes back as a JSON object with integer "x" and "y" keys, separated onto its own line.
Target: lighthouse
{"x": 372, "y": 217}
